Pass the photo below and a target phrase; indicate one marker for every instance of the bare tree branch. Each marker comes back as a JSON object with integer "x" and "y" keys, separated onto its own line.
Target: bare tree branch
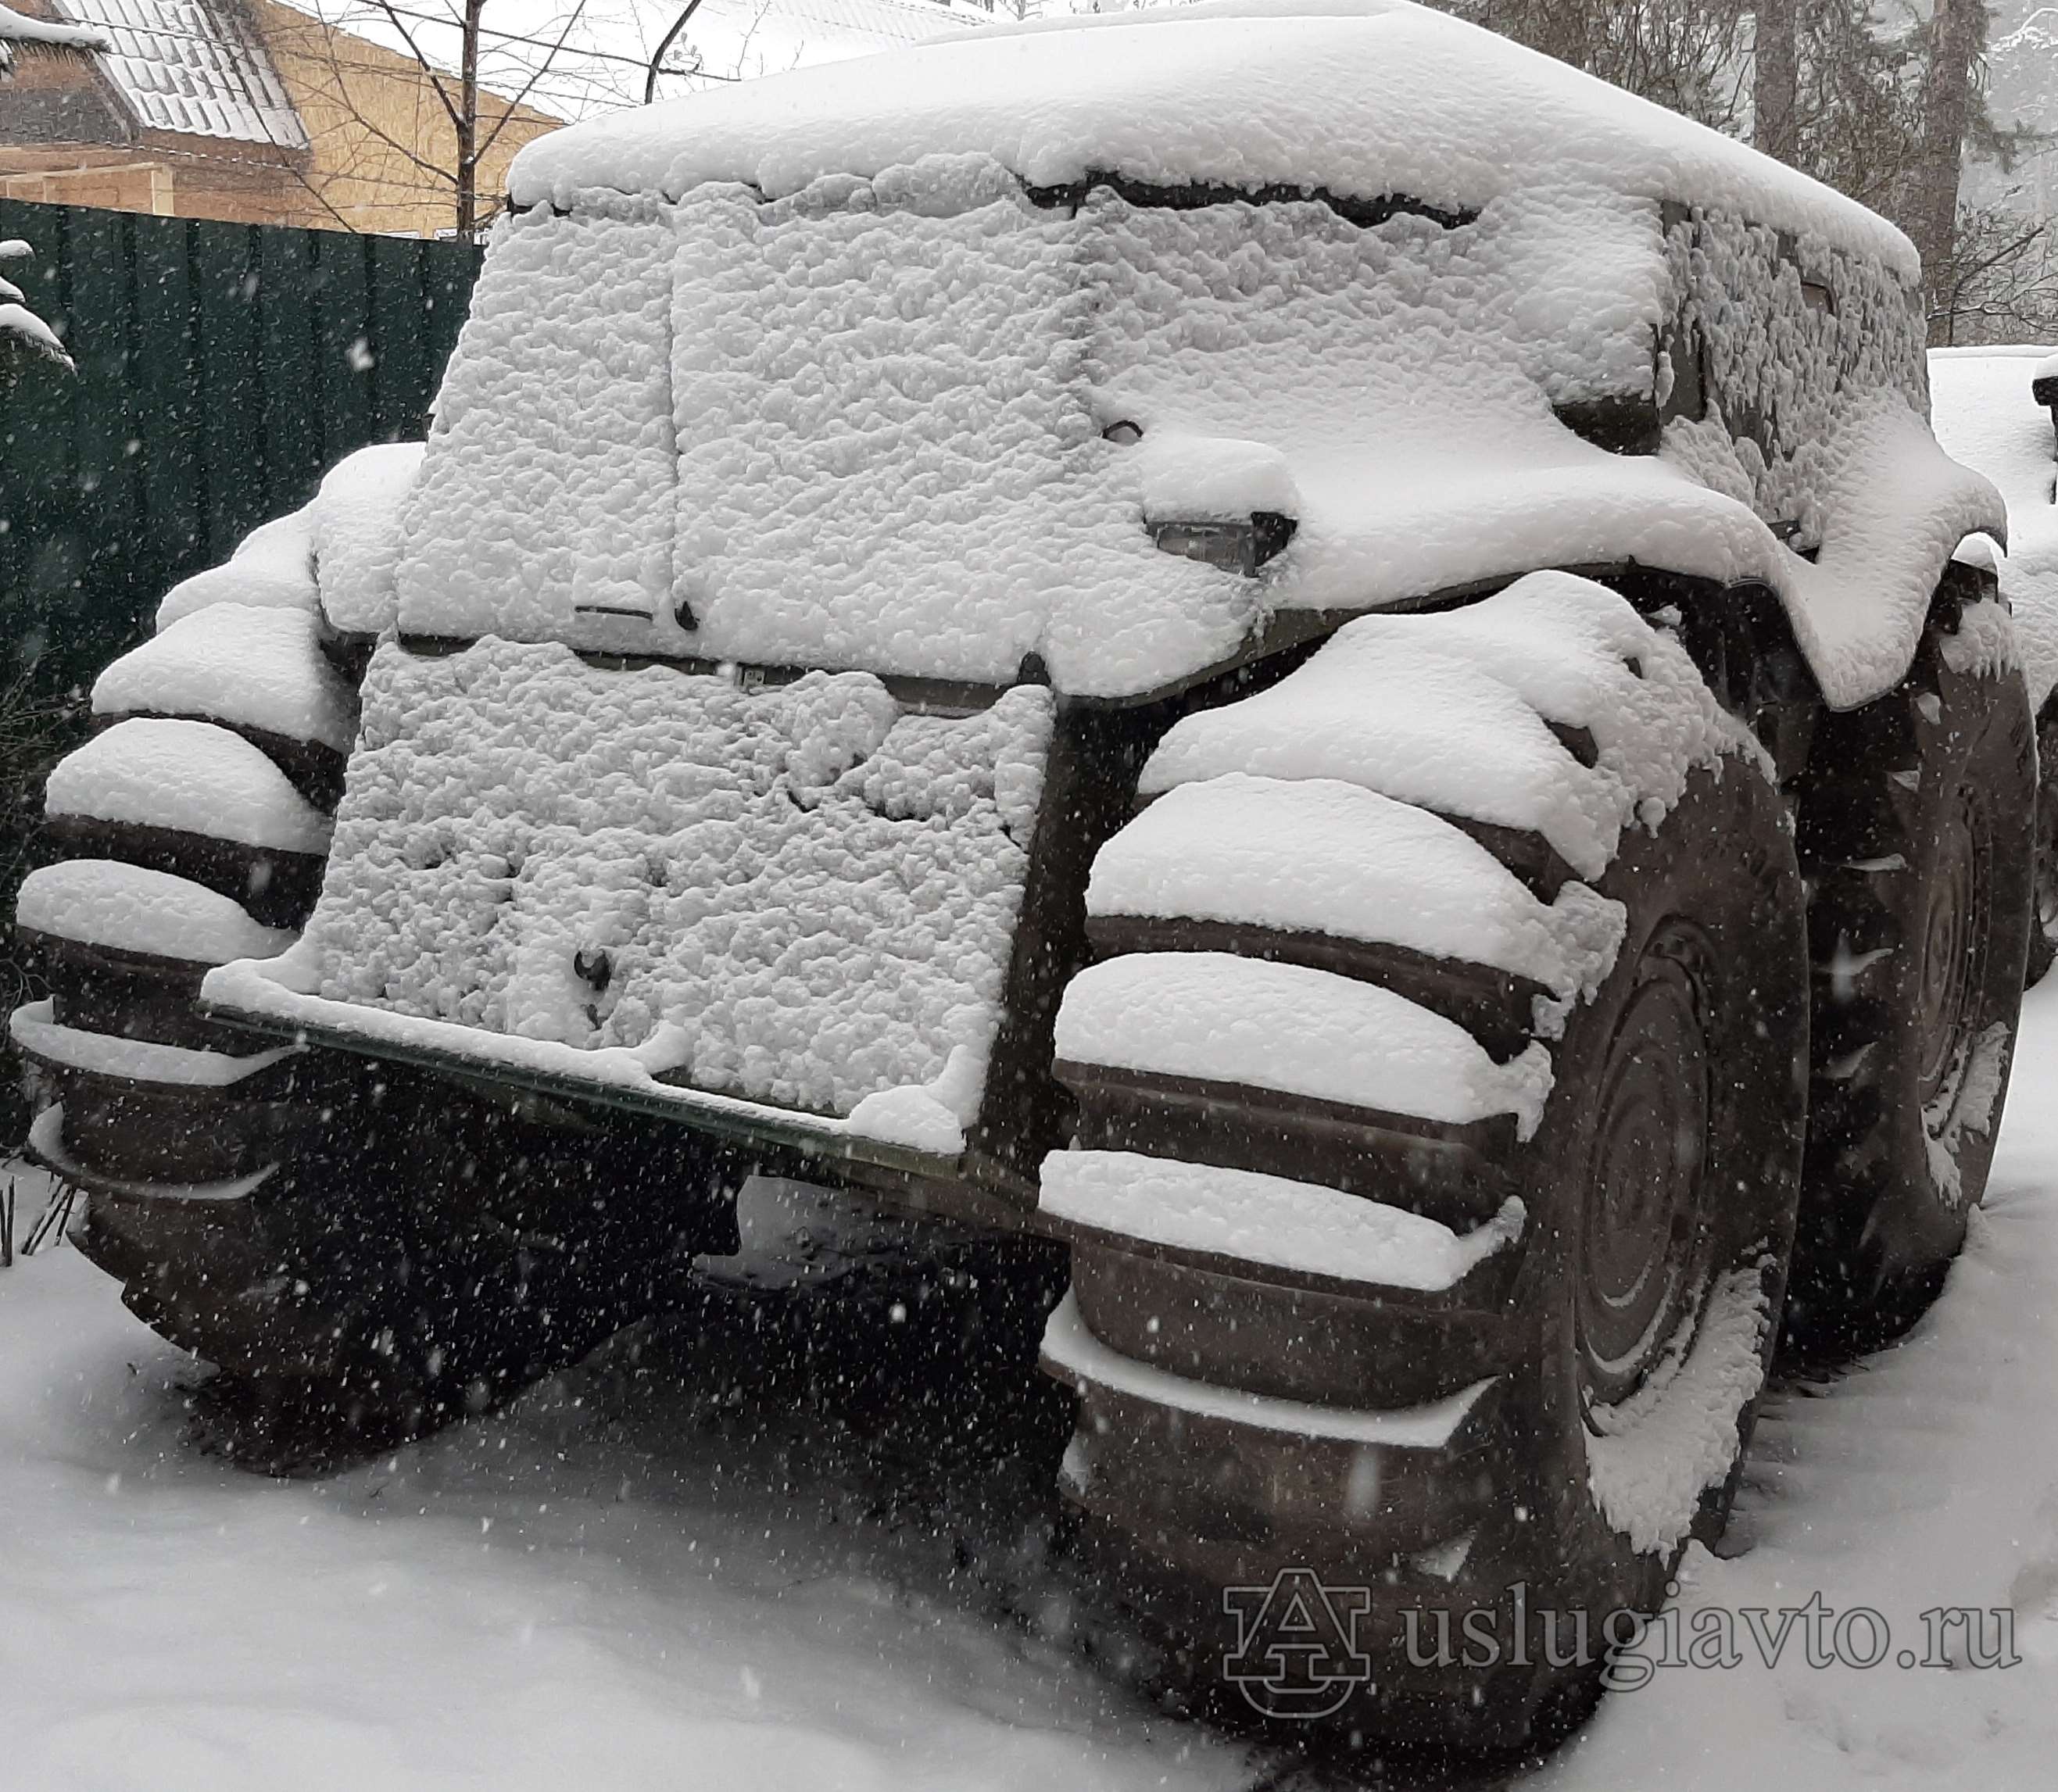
{"x": 392, "y": 16}
{"x": 521, "y": 96}
{"x": 459, "y": 121}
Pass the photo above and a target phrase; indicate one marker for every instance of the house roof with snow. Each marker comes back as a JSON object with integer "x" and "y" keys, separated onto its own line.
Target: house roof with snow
{"x": 191, "y": 67}
{"x": 1361, "y": 98}
{"x": 17, "y": 28}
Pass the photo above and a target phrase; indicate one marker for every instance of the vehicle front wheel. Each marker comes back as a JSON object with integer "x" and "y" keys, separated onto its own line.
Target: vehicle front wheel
{"x": 1423, "y": 1272}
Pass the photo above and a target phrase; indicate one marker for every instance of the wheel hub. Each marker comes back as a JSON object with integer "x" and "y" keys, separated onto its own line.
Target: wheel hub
{"x": 1954, "y": 950}
{"x": 1642, "y": 1222}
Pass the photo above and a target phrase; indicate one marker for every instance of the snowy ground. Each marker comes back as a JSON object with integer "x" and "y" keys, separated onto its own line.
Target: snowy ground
{"x": 1927, "y": 1477}
{"x": 612, "y": 1586}
{"x": 624, "y": 1582}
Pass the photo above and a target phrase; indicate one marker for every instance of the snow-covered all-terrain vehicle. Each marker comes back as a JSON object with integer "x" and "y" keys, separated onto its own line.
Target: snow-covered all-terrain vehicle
{"x": 1279, "y": 642}
{"x": 1996, "y": 410}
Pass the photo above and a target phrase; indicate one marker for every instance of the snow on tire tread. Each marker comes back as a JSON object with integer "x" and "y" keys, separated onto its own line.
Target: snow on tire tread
{"x": 238, "y": 665}
{"x": 1320, "y": 806}
{"x": 1452, "y": 711}
{"x": 187, "y": 776}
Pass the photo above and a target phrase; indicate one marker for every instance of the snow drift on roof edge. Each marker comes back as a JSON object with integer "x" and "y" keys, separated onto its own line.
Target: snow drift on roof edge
{"x": 1364, "y": 100}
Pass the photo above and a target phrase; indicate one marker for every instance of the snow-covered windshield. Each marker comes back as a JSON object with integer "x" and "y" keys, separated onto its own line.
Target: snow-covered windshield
{"x": 837, "y": 431}
{"x": 880, "y": 425}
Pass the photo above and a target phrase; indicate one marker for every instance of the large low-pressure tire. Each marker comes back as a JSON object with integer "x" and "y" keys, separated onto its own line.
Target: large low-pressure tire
{"x": 1915, "y": 837}
{"x": 1361, "y": 1353}
{"x": 364, "y": 1252}
{"x": 2043, "y": 922}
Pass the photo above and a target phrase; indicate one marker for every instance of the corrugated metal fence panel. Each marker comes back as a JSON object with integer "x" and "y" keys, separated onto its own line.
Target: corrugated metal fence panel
{"x": 222, "y": 368}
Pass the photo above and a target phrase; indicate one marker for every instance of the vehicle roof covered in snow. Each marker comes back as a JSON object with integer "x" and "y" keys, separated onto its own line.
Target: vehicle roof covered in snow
{"x": 1361, "y": 99}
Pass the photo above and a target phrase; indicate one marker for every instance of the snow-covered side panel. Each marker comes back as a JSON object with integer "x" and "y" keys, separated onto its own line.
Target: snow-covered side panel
{"x": 888, "y": 453}
{"x": 800, "y": 895}
{"x": 1397, "y": 384}
{"x": 1405, "y": 376}
{"x": 543, "y": 510}
{"x": 892, "y": 397}
{"x": 1792, "y": 334}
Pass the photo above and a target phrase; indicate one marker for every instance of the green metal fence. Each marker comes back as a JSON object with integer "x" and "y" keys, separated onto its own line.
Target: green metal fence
{"x": 221, "y": 368}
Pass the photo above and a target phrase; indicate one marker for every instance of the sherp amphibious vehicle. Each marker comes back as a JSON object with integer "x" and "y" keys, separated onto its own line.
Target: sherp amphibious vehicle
{"x": 1279, "y": 646}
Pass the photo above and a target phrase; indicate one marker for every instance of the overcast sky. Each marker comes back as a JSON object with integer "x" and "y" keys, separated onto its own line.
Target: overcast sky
{"x": 605, "y": 44}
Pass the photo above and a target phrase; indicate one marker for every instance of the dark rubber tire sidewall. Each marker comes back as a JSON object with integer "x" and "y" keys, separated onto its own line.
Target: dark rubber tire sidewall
{"x": 2044, "y": 920}
{"x": 1722, "y": 860}
{"x": 1877, "y": 1230}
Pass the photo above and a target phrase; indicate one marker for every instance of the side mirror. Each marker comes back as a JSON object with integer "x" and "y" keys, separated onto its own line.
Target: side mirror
{"x": 1224, "y": 502}
{"x": 2044, "y": 389}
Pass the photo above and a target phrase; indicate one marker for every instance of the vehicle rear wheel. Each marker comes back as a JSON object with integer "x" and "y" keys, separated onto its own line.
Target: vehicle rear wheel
{"x": 1922, "y": 876}
{"x": 1404, "y": 1366}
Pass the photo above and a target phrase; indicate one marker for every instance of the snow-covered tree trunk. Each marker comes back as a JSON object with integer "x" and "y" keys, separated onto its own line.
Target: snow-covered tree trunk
{"x": 466, "y": 120}
{"x": 1956, "y": 30}
{"x": 1775, "y": 80}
